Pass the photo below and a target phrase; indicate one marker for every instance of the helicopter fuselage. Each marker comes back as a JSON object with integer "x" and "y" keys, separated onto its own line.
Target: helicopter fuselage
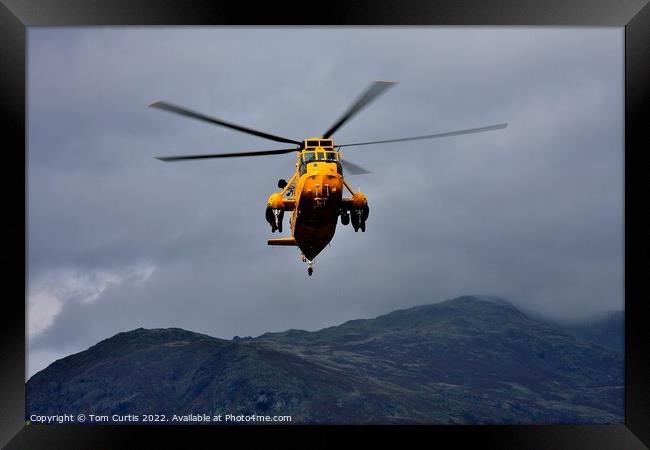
{"x": 313, "y": 222}
{"x": 315, "y": 200}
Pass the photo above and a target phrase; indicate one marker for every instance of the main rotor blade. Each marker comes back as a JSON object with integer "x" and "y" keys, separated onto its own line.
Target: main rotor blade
{"x": 353, "y": 168}
{"x": 431, "y": 136}
{"x": 186, "y": 112}
{"x": 227, "y": 155}
{"x": 369, "y": 95}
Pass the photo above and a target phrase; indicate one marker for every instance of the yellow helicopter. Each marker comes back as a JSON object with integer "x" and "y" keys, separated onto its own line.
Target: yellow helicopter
{"x": 314, "y": 195}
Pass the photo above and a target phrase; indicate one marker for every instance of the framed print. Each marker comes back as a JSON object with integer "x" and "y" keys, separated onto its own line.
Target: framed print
{"x": 384, "y": 221}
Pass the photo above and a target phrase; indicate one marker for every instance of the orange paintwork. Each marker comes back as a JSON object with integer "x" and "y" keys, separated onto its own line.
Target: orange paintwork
{"x": 283, "y": 241}
{"x": 359, "y": 200}
{"x": 317, "y": 200}
{"x": 275, "y": 201}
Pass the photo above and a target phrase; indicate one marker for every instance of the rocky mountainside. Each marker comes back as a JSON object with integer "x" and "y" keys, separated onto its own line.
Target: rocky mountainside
{"x": 606, "y": 330}
{"x": 465, "y": 360}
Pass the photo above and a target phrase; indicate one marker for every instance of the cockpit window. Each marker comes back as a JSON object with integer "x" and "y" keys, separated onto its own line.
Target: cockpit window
{"x": 330, "y": 156}
{"x": 312, "y": 143}
{"x": 327, "y": 143}
{"x": 309, "y": 156}
{"x": 326, "y": 156}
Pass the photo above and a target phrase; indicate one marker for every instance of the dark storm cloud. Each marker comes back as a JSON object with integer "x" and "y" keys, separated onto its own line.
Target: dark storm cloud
{"x": 119, "y": 240}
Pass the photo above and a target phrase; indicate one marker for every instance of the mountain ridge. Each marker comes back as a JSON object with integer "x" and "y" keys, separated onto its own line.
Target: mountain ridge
{"x": 464, "y": 360}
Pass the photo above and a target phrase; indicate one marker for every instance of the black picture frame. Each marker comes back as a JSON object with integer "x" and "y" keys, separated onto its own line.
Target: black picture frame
{"x": 634, "y": 15}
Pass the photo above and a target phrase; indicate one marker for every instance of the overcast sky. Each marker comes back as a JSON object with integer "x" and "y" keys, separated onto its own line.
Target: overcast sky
{"x": 119, "y": 240}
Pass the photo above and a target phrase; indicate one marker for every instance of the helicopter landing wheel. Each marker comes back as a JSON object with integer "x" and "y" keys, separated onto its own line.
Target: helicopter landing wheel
{"x": 278, "y": 215}
{"x": 310, "y": 270}
{"x": 345, "y": 218}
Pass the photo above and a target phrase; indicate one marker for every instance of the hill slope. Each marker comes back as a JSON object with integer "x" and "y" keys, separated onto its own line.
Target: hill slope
{"x": 466, "y": 360}
{"x": 606, "y": 330}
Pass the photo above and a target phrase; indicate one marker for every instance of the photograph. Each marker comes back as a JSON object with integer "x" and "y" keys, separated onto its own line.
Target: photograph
{"x": 325, "y": 225}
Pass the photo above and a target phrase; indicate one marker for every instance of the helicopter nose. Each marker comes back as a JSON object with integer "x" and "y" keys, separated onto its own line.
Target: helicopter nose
{"x": 323, "y": 185}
